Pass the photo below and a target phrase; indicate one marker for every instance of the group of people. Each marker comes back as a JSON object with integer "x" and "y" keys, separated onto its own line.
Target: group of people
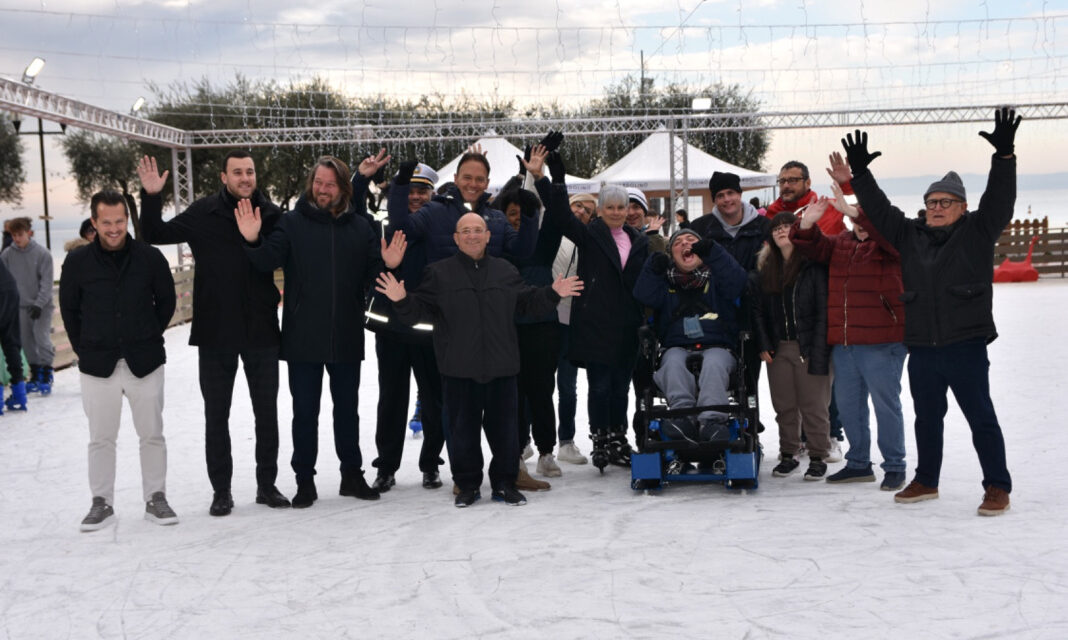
{"x": 494, "y": 301}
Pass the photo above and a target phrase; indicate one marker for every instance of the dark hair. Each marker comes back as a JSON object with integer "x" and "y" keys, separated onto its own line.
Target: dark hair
{"x": 108, "y": 197}
{"x": 685, "y": 216}
{"x": 444, "y": 188}
{"x": 22, "y": 223}
{"x": 755, "y": 201}
{"x": 341, "y": 172}
{"x": 87, "y": 226}
{"x": 237, "y": 154}
{"x": 476, "y": 157}
{"x": 776, "y": 273}
{"x": 794, "y": 164}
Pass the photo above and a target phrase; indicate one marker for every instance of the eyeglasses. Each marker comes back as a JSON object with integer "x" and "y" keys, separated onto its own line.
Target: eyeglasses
{"x": 782, "y": 228}
{"x": 785, "y": 181}
{"x": 945, "y": 203}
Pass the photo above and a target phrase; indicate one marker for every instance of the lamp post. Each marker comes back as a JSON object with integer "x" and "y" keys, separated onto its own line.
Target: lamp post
{"x": 28, "y": 76}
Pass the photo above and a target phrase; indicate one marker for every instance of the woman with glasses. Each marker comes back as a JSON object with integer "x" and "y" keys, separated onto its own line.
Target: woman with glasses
{"x": 790, "y": 318}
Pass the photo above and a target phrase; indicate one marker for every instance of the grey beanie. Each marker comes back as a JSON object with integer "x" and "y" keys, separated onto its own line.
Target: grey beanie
{"x": 950, "y": 183}
{"x": 681, "y": 232}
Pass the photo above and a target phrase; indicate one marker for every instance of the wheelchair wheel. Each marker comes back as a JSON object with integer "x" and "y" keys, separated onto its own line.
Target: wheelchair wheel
{"x": 645, "y": 484}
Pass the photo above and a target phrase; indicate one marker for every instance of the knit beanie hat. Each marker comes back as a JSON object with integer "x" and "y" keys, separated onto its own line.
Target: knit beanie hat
{"x": 583, "y": 197}
{"x": 721, "y": 180}
{"x": 950, "y": 183}
{"x": 637, "y": 195}
{"x": 682, "y": 232}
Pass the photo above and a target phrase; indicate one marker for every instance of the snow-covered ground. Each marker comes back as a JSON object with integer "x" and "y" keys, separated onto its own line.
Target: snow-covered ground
{"x": 590, "y": 558}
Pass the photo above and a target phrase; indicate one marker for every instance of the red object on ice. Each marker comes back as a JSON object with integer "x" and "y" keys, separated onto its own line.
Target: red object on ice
{"x": 1009, "y": 271}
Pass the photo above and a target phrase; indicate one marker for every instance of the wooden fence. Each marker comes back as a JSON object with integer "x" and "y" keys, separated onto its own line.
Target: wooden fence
{"x": 1050, "y": 258}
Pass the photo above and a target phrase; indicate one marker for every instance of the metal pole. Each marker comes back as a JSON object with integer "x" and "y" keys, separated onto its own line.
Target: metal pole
{"x": 44, "y": 183}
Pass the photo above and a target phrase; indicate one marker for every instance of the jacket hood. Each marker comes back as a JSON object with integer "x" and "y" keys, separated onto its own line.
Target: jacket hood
{"x": 749, "y": 213}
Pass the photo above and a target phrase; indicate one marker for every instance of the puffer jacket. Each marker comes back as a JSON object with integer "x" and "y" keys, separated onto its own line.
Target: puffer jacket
{"x": 809, "y": 297}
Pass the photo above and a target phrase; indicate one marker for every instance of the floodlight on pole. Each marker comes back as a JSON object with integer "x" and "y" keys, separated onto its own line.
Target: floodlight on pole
{"x": 35, "y": 66}
{"x": 140, "y": 102}
{"x": 701, "y": 104}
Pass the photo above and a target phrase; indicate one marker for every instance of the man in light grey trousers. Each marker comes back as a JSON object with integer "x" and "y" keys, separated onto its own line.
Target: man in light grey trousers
{"x": 31, "y": 266}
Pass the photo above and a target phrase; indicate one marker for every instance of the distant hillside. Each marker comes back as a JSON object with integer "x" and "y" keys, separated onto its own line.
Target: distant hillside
{"x": 975, "y": 183}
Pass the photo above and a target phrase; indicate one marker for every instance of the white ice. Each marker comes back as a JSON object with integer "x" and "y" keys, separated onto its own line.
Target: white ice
{"x": 792, "y": 559}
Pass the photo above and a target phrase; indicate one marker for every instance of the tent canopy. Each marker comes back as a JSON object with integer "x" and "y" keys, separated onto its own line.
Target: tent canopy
{"x": 648, "y": 167}
{"x": 501, "y": 155}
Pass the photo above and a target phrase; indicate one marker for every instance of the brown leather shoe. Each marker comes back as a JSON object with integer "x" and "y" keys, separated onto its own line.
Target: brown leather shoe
{"x": 524, "y": 482}
{"x": 995, "y": 502}
{"x": 915, "y": 492}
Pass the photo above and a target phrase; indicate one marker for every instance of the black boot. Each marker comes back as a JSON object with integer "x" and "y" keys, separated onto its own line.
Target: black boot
{"x": 618, "y": 449}
{"x": 599, "y": 455}
{"x": 222, "y": 503}
{"x": 306, "y": 494}
{"x": 271, "y": 497}
{"x": 354, "y": 485}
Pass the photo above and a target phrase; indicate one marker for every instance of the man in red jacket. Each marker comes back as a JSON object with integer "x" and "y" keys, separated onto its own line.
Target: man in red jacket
{"x": 865, "y": 323}
{"x": 795, "y": 192}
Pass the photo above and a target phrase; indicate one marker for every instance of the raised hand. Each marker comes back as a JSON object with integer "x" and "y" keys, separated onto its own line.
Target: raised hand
{"x": 393, "y": 253}
{"x": 857, "y": 152}
{"x": 536, "y": 164}
{"x": 1004, "y": 136}
{"x": 556, "y": 167}
{"x": 840, "y": 202}
{"x": 552, "y": 140}
{"x": 655, "y": 224}
{"x": 248, "y": 220}
{"x": 815, "y": 211}
{"x": 371, "y": 164}
{"x": 567, "y": 286}
{"x": 476, "y": 148}
{"x": 407, "y": 169}
{"x": 839, "y": 170}
{"x": 148, "y": 173}
{"x": 390, "y": 287}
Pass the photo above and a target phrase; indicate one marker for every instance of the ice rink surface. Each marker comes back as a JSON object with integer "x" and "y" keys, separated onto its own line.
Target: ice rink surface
{"x": 590, "y": 558}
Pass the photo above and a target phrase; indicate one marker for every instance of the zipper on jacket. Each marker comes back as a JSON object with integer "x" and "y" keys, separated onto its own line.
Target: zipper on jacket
{"x": 889, "y": 307}
{"x": 797, "y": 327}
{"x": 333, "y": 293}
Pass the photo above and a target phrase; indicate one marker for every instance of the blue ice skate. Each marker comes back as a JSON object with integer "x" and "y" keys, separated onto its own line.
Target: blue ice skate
{"x": 44, "y": 380}
{"x": 17, "y": 400}
{"x": 416, "y": 423}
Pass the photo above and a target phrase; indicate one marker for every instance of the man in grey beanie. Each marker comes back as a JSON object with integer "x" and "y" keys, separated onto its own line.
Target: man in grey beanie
{"x": 947, "y": 262}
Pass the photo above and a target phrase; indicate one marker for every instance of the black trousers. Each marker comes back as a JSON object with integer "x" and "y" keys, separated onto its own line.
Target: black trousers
{"x": 472, "y": 407}
{"x": 397, "y": 360}
{"x": 10, "y": 338}
{"x": 306, "y": 387}
{"x": 218, "y": 368}
{"x": 539, "y": 347}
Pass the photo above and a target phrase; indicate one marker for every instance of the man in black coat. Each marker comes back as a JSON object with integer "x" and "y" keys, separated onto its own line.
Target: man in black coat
{"x": 235, "y": 314}
{"x": 473, "y": 300}
{"x": 116, "y": 297}
{"x": 330, "y": 257}
{"x": 947, "y": 265}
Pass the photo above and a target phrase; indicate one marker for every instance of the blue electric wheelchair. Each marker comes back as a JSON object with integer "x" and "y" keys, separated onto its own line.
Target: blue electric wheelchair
{"x": 730, "y": 457}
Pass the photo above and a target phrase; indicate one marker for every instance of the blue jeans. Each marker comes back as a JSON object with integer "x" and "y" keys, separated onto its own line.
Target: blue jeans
{"x": 875, "y": 370}
{"x": 306, "y": 387}
{"x": 567, "y": 385}
{"x": 609, "y": 392}
{"x": 964, "y": 368}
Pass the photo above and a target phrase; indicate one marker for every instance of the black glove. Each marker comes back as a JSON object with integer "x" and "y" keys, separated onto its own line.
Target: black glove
{"x": 404, "y": 174}
{"x": 35, "y": 312}
{"x": 659, "y": 263}
{"x": 1005, "y": 123}
{"x": 556, "y": 167}
{"x": 701, "y": 247}
{"x": 552, "y": 141}
{"x": 857, "y": 152}
{"x": 526, "y": 156}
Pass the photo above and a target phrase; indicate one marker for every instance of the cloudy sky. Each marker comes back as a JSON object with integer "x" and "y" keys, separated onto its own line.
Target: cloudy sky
{"x": 790, "y": 54}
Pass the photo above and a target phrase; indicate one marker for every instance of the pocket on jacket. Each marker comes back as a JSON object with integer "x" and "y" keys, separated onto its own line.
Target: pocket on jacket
{"x": 971, "y": 290}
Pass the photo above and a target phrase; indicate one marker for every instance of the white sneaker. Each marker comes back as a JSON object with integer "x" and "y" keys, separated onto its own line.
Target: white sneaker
{"x": 547, "y": 466}
{"x": 570, "y": 453}
{"x": 835, "y": 452}
{"x": 528, "y": 453}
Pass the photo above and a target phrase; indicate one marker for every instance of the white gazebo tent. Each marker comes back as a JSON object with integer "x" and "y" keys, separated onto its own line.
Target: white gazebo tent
{"x": 648, "y": 167}
{"x": 501, "y": 155}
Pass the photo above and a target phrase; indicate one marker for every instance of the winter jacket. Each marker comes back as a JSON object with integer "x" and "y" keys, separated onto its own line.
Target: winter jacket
{"x": 565, "y": 264}
{"x": 606, "y": 317}
{"x": 864, "y": 286}
{"x": 117, "y": 308}
{"x": 830, "y": 224}
{"x": 472, "y": 305}
{"x": 235, "y": 306}
{"x": 32, "y": 269}
{"x": 743, "y": 246}
{"x": 947, "y": 271}
{"x": 537, "y": 269}
{"x": 714, "y": 303}
{"x": 329, "y": 263}
{"x": 809, "y": 303}
{"x": 435, "y": 224}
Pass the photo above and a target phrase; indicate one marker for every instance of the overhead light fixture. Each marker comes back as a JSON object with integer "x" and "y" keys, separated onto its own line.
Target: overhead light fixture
{"x": 140, "y": 102}
{"x": 701, "y": 104}
{"x": 32, "y": 70}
